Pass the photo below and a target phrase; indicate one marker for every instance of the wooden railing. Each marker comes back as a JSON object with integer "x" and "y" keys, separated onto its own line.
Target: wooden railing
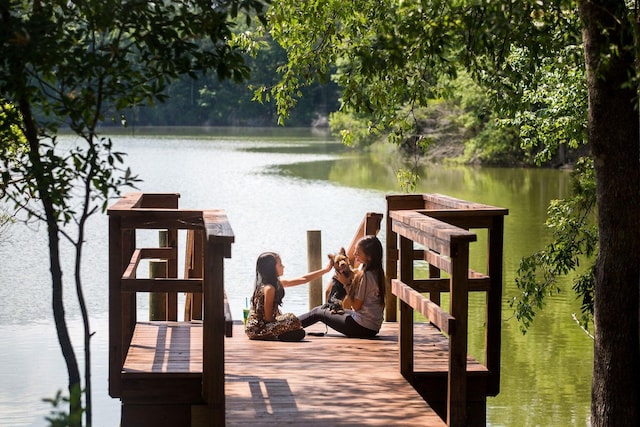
{"x": 135, "y": 211}
{"x": 434, "y": 228}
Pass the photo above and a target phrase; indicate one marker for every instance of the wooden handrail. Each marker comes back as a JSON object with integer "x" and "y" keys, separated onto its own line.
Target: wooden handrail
{"x": 440, "y": 284}
{"x": 160, "y": 211}
{"x": 161, "y": 284}
{"x": 435, "y": 228}
{"x": 146, "y": 253}
{"x": 439, "y": 237}
{"x": 134, "y": 200}
{"x": 432, "y": 311}
{"x": 465, "y": 215}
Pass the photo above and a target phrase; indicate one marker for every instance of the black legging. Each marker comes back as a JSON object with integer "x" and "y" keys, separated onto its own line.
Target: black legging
{"x": 342, "y": 323}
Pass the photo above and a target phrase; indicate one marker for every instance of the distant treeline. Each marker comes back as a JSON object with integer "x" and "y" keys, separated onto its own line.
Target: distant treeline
{"x": 205, "y": 101}
{"x": 465, "y": 120}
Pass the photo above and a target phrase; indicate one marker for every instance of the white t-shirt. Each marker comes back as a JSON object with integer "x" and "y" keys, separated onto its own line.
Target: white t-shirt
{"x": 371, "y": 313}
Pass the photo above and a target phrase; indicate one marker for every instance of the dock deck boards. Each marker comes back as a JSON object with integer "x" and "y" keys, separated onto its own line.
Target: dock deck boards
{"x": 321, "y": 381}
{"x": 330, "y": 380}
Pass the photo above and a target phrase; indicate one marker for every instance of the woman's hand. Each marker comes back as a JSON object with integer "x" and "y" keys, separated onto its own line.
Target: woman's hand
{"x": 329, "y": 265}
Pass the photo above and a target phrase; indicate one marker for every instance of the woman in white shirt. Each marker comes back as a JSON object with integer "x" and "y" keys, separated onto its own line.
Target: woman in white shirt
{"x": 366, "y": 293}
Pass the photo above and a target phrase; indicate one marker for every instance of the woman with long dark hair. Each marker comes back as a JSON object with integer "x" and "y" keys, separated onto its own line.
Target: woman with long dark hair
{"x": 265, "y": 321}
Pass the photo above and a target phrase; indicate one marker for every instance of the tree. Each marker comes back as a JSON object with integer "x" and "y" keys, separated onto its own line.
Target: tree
{"x": 611, "y": 52}
{"x": 392, "y": 53}
{"x": 78, "y": 64}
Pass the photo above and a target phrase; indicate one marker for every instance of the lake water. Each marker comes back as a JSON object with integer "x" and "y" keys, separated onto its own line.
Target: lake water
{"x": 276, "y": 185}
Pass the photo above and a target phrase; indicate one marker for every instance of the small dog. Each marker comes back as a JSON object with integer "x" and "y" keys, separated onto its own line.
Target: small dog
{"x": 337, "y": 292}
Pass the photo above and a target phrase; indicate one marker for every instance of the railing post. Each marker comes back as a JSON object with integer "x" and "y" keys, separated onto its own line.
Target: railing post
{"x": 157, "y": 300}
{"x": 169, "y": 238}
{"x": 494, "y": 305}
{"x": 396, "y": 202}
{"x": 193, "y": 269}
{"x": 405, "y": 332}
{"x": 216, "y": 246}
{"x": 458, "y": 303}
{"x": 116, "y": 268}
{"x": 213, "y": 331}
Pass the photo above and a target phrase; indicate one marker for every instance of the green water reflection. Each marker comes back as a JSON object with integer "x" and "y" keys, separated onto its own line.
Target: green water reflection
{"x": 546, "y": 374}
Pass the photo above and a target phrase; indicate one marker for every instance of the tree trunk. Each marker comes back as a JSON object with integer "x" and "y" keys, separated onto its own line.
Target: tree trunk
{"x": 44, "y": 185}
{"x": 73, "y": 370}
{"x": 614, "y": 137}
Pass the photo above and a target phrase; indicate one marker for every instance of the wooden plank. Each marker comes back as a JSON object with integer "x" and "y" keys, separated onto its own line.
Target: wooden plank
{"x": 429, "y": 232}
{"x": 217, "y": 226}
{"x": 405, "y": 340}
{"x": 161, "y": 219}
{"x": 134, "y": 200}
{"x": 193, "y": 268}
{"x": 161, "y": 285}
{"x": 443, "y": 202}
{"x": 168, "y": 253}
{"x": 115, "y": 304}
{"x": 146, "y": 253}
{"x": 436, "y": 315}
{"x": 125, "y": 202}
{"x": 165, "y": 347}
{"x": 160, "y": 200}
{"x": 481, "y": 284}
{"x": 434, "y": 275}
{"x": 493, "y": 334}
{"x": 172, "y": 270}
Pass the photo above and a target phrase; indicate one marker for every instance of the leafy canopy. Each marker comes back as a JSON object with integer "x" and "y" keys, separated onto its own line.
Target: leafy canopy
{"x": 78, "y": 64}
{"x": 393, "y": 56}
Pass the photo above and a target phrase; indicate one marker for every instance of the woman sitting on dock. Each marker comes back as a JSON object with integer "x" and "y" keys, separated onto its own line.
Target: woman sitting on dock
{"x": 366, "y": 293}
{"x": 265, "y": 321}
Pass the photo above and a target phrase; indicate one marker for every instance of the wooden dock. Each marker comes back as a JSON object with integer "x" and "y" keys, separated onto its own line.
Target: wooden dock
{"x": 322, "y": 381}
{"x": 205, "y": 372}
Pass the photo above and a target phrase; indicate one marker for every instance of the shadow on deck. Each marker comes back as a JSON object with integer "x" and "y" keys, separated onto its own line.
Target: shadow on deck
{"x": 324, "y": 381}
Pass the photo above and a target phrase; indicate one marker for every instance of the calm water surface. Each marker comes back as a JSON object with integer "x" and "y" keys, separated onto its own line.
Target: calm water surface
{"x": 274, "y": 188}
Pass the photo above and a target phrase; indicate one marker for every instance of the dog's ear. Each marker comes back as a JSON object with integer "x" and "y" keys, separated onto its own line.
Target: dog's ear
{"x": 343, "y": 252}
{"x": 331, "y": 256}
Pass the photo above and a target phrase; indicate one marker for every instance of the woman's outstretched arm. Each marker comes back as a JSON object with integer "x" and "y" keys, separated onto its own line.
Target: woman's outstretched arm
{"x": 307, "y": 277}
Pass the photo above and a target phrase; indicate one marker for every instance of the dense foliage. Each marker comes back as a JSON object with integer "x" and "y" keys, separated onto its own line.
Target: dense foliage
{"x": 541, "y": 63}
{"x": 77, "y": 64}
{"x": 574, "y": 243}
